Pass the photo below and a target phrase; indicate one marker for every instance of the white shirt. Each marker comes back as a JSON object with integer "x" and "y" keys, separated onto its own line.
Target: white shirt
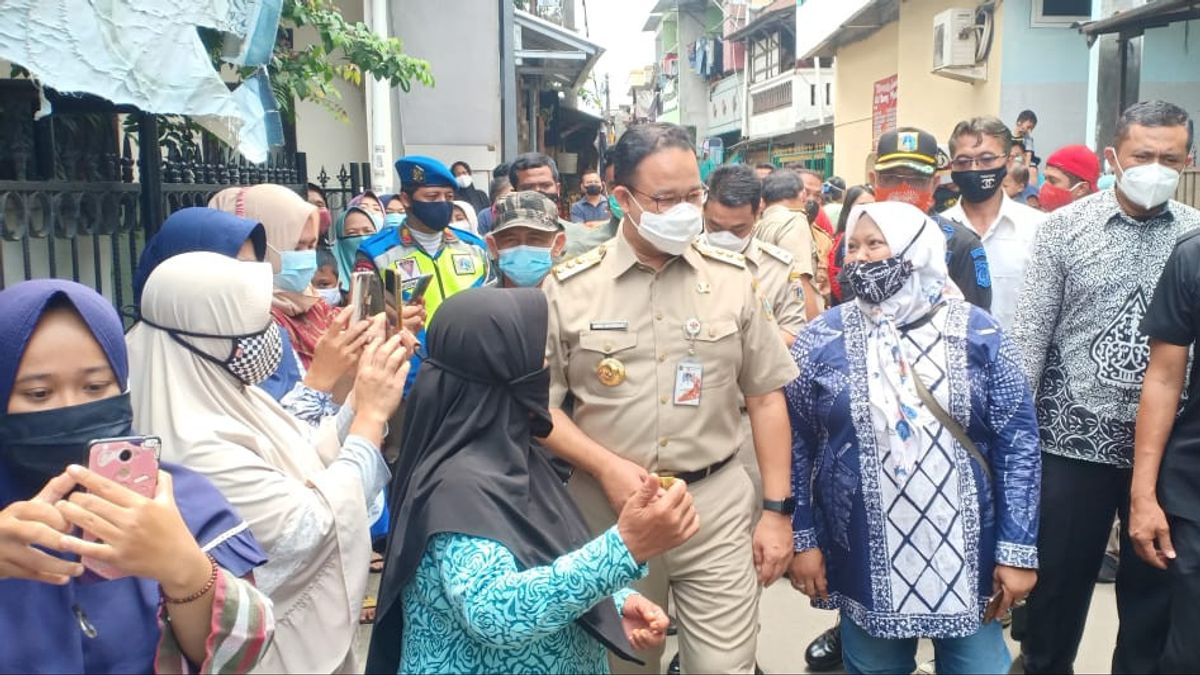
{"x": 1009, "y": 246}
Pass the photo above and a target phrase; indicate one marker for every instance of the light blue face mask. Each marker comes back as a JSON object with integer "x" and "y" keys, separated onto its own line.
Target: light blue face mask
{"x": 296, "y": 270}
{"x": 526, "y": 266}
{"x": 394, "y": 219}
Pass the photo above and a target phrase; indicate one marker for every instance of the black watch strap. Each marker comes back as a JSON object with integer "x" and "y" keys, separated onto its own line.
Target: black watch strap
{"x": 786, "y": 507}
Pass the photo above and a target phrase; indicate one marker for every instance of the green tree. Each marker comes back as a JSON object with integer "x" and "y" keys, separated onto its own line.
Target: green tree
{"x": 309, "y": 74}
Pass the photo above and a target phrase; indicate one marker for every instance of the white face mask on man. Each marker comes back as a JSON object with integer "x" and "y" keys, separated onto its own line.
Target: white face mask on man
{"x": 728, "y": 240}
{"x": 671, "y": 232}
{"x": 1148, "y": 185}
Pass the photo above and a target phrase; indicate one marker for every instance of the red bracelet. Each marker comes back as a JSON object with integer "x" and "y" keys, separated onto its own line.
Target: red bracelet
{"x": 212, "y": 581}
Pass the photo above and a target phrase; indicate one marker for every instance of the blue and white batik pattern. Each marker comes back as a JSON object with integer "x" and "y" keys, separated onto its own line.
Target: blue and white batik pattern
{"x": 470, "y": 609}
{"x": 913, "y": 556}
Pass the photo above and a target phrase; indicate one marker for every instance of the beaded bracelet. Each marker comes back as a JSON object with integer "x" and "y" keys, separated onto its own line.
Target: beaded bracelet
{"x": 212, "y": 581}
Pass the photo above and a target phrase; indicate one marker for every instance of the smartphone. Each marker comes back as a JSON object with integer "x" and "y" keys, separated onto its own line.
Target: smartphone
{"x": 366, "y": 295}
{"x": 414, "y": 289}
{"x": 131, "y": 462}
{"x": 993, "y": 604}
{"x": 393, "y": 285}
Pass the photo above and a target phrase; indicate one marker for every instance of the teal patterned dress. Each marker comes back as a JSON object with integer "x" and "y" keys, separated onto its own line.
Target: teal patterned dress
{"x": 469, "y": 609}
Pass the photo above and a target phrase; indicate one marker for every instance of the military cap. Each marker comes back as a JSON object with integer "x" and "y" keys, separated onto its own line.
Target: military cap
{"x": 419, "y": 171}
{"x": 527, "y": 209}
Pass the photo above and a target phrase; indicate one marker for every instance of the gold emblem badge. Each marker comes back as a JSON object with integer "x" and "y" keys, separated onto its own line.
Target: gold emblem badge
{"x": 610, "y": 372}
{"x": 418, "y": 175}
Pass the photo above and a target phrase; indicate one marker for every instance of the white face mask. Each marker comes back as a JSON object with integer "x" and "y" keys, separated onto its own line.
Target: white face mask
{"x": 671, "y": 232}
{"x": 331, "y": 296}
{"x": 1149, "y": 185}
{"x": 464, "y": 181}
{"x": 728, "y": 240}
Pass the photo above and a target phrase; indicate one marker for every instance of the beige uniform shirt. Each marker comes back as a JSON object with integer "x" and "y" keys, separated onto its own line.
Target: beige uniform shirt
{"x": 789, "y": 230}
{"x": 701, "y": 308}
{"x": 778, "y": 278}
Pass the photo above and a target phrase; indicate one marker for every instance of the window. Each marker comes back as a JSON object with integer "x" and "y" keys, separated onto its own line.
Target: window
{"x": 1059, "y": 13}
{"x": 828, "y": 89}
{"x": 812, "y": 94}
{"x": 764, "y": 58}
{"x": 775, "y": 98}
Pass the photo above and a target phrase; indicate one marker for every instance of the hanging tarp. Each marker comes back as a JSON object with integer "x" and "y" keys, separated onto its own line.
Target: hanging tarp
{"x": 148, "y": 54}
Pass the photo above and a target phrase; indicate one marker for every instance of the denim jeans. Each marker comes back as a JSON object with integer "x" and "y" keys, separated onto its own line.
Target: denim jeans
{"x": 983, "y": 652}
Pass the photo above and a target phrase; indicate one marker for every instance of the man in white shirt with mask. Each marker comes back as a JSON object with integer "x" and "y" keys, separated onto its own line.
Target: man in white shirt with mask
{"x": 979, "y": 161}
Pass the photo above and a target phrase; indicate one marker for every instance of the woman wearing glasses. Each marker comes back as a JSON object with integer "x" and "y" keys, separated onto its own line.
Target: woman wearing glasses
{"x": 916, "y": 466}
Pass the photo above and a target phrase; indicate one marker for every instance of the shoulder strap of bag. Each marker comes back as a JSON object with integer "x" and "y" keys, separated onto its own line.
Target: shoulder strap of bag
{"x": 951, "y": 425}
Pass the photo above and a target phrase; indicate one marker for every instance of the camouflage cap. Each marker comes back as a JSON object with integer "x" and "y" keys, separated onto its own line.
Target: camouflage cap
{"x": 527, "y": 209}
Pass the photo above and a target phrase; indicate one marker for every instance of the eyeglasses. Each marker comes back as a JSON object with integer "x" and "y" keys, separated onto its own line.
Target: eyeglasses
{"x": 696, "y": 197}
{"x": 988, "y": 161}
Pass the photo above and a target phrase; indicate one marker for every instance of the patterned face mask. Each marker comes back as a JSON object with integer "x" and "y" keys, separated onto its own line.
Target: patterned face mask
{"x": 878, "y": 280}
{"x": 252, "y": 358}
{"x": 255, "y": 357}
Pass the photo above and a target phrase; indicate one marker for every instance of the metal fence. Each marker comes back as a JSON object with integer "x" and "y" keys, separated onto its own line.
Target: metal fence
{"x": 81, "y": 193}
{"x": 1189, "y": 188}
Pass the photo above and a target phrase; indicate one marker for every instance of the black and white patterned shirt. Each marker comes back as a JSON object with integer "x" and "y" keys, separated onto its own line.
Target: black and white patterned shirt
{"x": 1091, "y": 278}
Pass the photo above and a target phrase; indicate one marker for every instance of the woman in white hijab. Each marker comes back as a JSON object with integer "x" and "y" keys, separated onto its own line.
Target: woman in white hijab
{"x": 465, "y": 218}
{"x": 205, "y": 340}
{"x": 917, "y": 467}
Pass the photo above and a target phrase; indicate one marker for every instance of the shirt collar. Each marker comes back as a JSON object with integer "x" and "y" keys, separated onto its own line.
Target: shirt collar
{"x": 624, "y": 257}
{"x": 1113, "y": 206}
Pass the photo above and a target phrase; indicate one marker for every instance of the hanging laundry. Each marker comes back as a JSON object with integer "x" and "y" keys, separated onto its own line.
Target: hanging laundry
{"x": 148, "y": 54}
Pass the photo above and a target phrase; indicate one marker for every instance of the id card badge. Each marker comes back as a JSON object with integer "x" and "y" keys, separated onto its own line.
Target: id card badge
{"x": 689, "y": 378}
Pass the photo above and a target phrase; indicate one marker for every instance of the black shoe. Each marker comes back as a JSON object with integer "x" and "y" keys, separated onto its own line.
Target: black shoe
{"x": 1108, "y": 570}
{"x": 825, "y": 653}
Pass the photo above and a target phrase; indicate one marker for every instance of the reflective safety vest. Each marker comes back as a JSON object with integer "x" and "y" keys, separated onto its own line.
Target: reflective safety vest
{"x": 461, "y": 263}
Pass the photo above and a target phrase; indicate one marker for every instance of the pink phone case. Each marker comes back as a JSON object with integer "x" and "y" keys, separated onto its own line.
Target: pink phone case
{"x": 130, "y": 462}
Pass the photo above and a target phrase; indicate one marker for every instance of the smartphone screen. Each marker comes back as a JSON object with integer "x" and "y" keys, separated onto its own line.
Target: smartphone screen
{"x": 393, "y": 286}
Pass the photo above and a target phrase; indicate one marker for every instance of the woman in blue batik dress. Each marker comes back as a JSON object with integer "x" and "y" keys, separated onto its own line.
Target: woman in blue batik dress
{"x": 913, "y": 520}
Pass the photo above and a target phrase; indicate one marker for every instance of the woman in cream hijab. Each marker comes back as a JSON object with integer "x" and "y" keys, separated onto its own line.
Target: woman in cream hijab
{"x": 292, "y": 226}
{"x": 205, "y": 340}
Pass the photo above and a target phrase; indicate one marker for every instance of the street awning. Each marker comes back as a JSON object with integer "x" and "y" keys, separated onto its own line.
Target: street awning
{"x": 825, "y": 25}
{"x": 548, "y": 50}
{"x": 779, "y": 14}
{"x": 1134, "y": 22}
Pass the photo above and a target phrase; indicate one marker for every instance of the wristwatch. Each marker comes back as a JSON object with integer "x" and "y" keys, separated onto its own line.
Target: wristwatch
{"x": 785, "y": 507}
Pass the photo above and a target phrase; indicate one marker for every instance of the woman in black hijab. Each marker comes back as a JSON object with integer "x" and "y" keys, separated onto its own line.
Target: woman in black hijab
{"x": 489, "y": 563}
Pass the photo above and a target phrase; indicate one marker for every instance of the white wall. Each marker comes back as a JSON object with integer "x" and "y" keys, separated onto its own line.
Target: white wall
{"x": 328, "y": 141}
{"x": 460, "y": 117}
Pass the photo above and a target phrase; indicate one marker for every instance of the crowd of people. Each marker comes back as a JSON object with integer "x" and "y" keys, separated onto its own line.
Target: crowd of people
{"x": 924, "y": 401}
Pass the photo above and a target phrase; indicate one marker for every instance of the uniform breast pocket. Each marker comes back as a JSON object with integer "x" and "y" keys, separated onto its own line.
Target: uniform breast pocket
{"x": 605, "y": 363}
{"x": 719, "y": 348}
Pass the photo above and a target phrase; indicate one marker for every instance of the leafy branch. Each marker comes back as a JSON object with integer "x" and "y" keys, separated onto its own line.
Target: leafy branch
{"x": 309, "y": 74}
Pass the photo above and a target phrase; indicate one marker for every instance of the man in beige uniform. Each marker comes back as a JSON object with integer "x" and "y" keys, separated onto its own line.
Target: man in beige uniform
{"x": 785, "y": 225}
{"x": 657, "y": 339}
{"x": 734, "y": 194}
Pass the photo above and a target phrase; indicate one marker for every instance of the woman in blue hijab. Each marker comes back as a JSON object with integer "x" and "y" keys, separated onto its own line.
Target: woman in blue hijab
{"x": 215, "y": 231}
{"x": 200, "y": 229}
{"x": 184, "y": 607}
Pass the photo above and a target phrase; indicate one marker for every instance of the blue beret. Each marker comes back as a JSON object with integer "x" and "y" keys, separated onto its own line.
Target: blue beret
{"x": 420, "y": 171}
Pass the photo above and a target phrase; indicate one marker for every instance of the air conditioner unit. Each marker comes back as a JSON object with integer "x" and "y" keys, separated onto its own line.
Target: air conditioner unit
{"x": 956, "y": 37}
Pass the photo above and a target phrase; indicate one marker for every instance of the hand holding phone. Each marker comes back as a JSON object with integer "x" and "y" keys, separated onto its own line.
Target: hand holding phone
{"x": 134, "y": 535}
{"x": 131, "y": 463}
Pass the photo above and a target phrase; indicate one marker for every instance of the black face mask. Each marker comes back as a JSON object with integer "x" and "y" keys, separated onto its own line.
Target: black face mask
{"x": 811, "y": 210}
{"x": 594, "y": 190}
{"x": 979, "y": 186}
{"x": 434, "y": 215}
{"x": 552, "y": 196}
{"x": 37, "y": 446}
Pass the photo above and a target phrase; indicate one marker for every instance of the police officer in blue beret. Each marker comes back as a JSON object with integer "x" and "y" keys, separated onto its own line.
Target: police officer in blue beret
{"x": 426, "y": 244}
